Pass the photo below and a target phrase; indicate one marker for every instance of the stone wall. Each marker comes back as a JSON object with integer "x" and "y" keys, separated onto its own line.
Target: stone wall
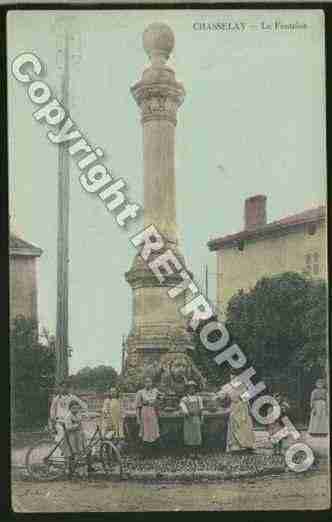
{"x": 93, "y": 400}
{"x": 268, "y": 256}
{"x": 23, "y": 287}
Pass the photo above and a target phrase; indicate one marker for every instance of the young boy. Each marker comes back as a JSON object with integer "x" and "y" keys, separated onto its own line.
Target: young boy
{"x": 75, "y": 442}
{"x": 60, "y": 407}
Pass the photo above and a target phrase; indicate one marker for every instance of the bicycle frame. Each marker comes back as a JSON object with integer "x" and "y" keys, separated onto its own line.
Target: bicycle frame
{"x": 53, "y": 450}
{"x": 92, "y": 442}
{"x": 71, "y": 460}
{"x": 58, "y": 444}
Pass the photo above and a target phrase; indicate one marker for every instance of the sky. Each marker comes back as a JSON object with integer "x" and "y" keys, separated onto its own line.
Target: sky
{"x": 252, "y": 122}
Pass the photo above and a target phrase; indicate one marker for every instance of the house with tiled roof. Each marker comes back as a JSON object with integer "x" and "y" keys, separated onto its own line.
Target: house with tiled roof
{"x": 23, "y": 288}
{"x": 294, "y": 243}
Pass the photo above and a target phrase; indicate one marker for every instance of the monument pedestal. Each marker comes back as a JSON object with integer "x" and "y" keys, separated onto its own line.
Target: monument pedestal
{"x": 157, "y": 324}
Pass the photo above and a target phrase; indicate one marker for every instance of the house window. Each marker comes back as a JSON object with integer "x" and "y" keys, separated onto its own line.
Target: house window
{"x": 312, "y": 263}
{"x": 316, "y": 263}
{"x": 312, "y": 229}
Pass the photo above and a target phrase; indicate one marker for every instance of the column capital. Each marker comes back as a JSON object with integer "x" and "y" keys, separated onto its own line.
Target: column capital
{"x": 158, "y": 95}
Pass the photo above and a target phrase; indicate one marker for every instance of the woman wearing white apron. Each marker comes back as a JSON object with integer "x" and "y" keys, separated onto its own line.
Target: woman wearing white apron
{"x": 318, "y": 426}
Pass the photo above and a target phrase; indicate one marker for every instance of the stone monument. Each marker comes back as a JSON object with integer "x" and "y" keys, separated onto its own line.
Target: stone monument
{"x": 157, "y": 325}
{"x": 158, "y": 340}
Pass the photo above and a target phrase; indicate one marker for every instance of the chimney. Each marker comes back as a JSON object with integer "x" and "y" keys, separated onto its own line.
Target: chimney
{"x": 255, "y": 212}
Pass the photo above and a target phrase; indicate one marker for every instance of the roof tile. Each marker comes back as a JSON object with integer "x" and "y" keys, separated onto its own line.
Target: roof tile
{"x": 307, "y": 216}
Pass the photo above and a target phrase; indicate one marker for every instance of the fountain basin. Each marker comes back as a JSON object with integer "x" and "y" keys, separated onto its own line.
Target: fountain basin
{"x": 214, "y": 426}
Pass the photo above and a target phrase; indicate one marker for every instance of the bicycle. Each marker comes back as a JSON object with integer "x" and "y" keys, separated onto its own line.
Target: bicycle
{"x": 45, "y": 460}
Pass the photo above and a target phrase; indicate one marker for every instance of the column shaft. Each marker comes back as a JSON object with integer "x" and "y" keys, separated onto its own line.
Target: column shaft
{"x": 159, "y": 177}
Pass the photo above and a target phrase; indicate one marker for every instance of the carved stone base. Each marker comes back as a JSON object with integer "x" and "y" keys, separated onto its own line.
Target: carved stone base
{"x": 146, "y": 351}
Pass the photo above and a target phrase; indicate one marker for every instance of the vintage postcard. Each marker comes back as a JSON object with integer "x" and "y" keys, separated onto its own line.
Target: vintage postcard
{"x": 168, "y": 260}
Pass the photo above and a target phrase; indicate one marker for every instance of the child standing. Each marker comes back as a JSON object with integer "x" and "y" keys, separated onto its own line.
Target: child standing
{"x": 74, "y": 443}
{"x": 60, "y": 408}
{"x": 112, "y": 421}
{"x": 276, "y": 426}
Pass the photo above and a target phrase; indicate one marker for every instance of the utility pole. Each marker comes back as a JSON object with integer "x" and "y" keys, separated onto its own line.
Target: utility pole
{"x": 123, "y": 358}
{"x": 64, "y": 35}
{"x": 206, "y": 282}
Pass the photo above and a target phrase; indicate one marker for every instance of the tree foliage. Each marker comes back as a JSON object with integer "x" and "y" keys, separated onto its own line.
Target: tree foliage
{"x": 204, "y": 360}
{"x": 99, "y": 378}
{"x": 281, "y": 327}
{"x": 313, "y": 353}
{"x": 281, "y": 322}
{"x": 32, "y": 373}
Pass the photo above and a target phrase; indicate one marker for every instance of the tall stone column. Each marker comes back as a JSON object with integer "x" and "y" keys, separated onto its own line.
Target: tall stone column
{"x": 159, "y": 95}
{"x": 157, "y": 324}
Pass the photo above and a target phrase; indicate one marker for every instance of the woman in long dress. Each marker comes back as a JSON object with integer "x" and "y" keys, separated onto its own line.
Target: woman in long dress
{"x": 191, "y": 405}
{"x": 146, "y": 412}
{"x": 240, "y": 432}
{"x": 318, "y": 426}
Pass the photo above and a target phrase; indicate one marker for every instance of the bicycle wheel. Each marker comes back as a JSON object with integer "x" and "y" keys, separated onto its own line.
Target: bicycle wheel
{"x": 110, "y": 458}
{"x": 42, "y": 464}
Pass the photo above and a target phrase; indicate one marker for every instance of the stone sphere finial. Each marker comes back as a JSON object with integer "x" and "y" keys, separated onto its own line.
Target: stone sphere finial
{"x": 158, "y": 42}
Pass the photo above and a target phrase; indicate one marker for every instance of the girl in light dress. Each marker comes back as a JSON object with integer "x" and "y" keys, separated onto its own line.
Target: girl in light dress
{"x": 112, "y": 421}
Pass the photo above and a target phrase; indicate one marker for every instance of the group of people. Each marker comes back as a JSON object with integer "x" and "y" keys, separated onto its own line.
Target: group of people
{"x": 66, "y": 415}
{"x": 240, "y": 433}
{"x": 147, "y": 414}
{"x": 66, "y": 408}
